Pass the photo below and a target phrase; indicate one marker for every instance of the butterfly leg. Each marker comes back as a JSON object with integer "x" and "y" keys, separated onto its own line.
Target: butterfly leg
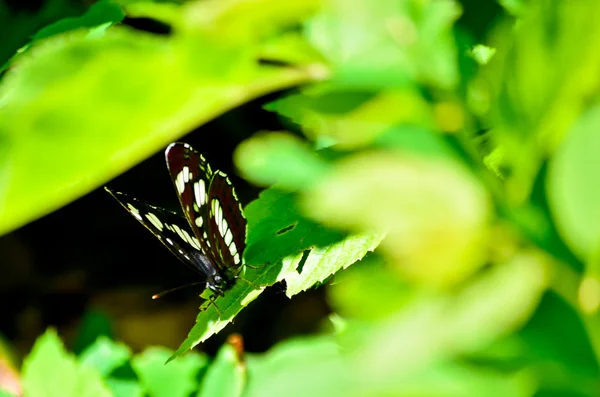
{"x": 210, "y": 302}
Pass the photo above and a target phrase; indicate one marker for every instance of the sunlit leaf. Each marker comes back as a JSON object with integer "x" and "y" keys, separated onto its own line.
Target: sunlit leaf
{"x": 275, "y": 223}
{"x": 435, "y": 213}
{"x": 105, "y": 355}
{"x": 573, "y": 191}
{"x": 391, "y": 45}
{"x": 533, "y": 105}
{"x": 321, "y": 263}
{"x": 119, "y": 97}
{"x": 226, "y": 376}
{"x": 178, "y": 379}
{"x": 50, "y": 371}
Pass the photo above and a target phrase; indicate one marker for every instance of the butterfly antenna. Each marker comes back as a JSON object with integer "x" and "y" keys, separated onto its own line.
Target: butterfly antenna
{"x": 157, "y": 296}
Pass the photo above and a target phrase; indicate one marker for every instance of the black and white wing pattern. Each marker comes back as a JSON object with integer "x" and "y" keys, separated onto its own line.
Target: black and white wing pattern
{"x": 170, "y": 228}
{"x": 226, "y": 223}
{"x": 191, "y": 175}
{"x": 210, "y": 205}
{"x": 210, "y": 238}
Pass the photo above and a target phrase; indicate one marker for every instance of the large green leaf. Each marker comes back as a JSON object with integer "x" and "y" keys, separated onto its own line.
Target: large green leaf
{"x": 277, "y": 237}
{"x": 105, "y": 355}
{"x": 79, "y": 109}
{"x": 435, "y": 213}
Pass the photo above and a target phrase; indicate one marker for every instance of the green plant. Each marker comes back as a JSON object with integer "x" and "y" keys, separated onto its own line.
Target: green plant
{"x": 467, "y": 167}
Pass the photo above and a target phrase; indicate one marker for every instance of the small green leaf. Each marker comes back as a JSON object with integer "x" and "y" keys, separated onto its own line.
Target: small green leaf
{"x": 353, "y": 118}
{"x": 50, "y": 371}
{"x": 573, "y": 189}
{"x": 388, "y": 46}
{"x": 100, "y": 13}
{"x": 482, "y": 53}
{"x": 93, "y": 324}
{"x": 105, "y": 355}
{"x": 125, "y": 387}
{"x": 278, "y": 158}
{"x": 226, "y": 376}
{"x": 323, "y": 262}
{"x": 178, "y": 379}
{"x": 5, "y": 393}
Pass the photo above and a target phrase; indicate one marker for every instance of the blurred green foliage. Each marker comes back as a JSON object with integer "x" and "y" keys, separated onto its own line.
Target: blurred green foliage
{"x": 463, "y": 175}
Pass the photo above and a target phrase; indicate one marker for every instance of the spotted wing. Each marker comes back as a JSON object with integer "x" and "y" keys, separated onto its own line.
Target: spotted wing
{"x": 171, "y": 229}
{"x": 191, "y": 175}
{"x": 226, "y": 222}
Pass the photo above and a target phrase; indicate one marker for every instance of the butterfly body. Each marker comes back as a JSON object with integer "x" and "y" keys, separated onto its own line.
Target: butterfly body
{"x": 215, "y": 281}
{"x": 210, "y": 237}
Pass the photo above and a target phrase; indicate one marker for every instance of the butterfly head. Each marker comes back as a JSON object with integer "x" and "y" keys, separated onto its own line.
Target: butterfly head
{"x": 217, "y": 284}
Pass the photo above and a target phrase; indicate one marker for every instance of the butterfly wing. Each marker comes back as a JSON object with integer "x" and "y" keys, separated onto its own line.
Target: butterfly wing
{"x": 226, "y": 222}
{"x": 191, "y": 175}
{"x": 171, "y": 229}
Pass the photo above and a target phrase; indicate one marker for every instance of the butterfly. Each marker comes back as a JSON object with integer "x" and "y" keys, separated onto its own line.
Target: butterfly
{"x": 210, "y": 237}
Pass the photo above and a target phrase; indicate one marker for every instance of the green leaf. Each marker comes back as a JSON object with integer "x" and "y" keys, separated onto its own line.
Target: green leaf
{"x": 278, "y": 158}
{"x": 226, "y": 376}
{"x": 573, "y": 191}
{"x": 277, "y": 236}
{"x": 103, "y": 12}
{"x": 125, "y": 388}
{"x": 50, "y": 371}
{"x": 482, "y": 54}
{"x": 532, "y": 105}
{"x": 105, "y": 355}
{"x": 450, "y": 379}
{"x": 178, "y": 379}
{"x": 5, "y": 393}
{"x": 19, "y": 24}
{"x": 277, "y": 229}
{"x": 367, "y": 291}
{"x": 434, "y": 328}
{"x": 556, "y": 334}
{"x": 434, "y": 211}
{"x": 317, "y": 366}
{"x": 93, "y": 324}
{"x": 515, "y": 7}
{"x": 79, "y": 110}
{"x": 299, "y": 367}
{"x": 322, "y": 262}
{"x": 388, "y": 46}
{"x": 352, "y": 117}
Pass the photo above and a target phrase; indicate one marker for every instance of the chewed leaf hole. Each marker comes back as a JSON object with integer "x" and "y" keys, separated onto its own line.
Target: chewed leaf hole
{"x": 286, "y": 229}
{"x": 302, "y": 261}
